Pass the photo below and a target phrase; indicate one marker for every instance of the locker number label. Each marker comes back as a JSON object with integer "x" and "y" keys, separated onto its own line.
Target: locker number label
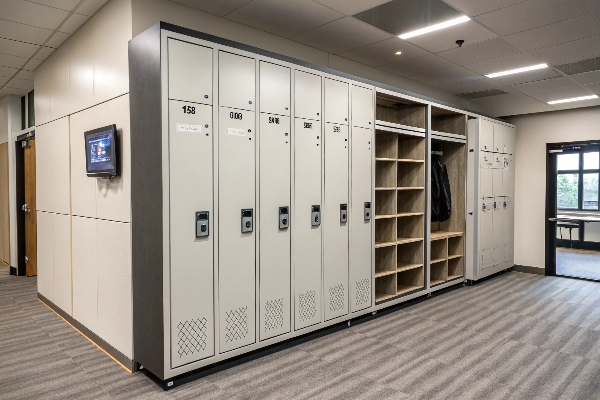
{"x": 189, "y": 110}
{"x": 337, "y": 129}
{"x": 234, "y": 115}
{"x": 273, "y": 120}
{"x": 308, "y": 125}
{"x": 189, "y": 128}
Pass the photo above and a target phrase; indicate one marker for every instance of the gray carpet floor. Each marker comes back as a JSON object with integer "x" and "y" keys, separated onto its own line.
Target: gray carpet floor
{"x": 579, "y": 263}
{"x": 517, "y": 336}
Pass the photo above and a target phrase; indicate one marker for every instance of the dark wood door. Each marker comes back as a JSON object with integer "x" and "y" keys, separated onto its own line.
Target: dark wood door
{"x": 29, "y": 208}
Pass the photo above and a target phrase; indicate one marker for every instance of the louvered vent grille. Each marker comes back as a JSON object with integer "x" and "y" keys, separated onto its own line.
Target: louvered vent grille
{"x": 483, "y": 93}
{"x": 579, "y": 67}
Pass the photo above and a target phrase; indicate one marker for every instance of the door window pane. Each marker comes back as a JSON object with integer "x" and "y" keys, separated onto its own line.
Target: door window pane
{"x": 590, "y": 191}
{"x": 567, "y": 190}
{"x": 568, "y": 162}
{"x": 591, "y": 161}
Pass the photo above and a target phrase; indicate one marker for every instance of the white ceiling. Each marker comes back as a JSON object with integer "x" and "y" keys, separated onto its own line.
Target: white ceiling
{"x": 503, "y": 34}
{"x": 30, "y": 30}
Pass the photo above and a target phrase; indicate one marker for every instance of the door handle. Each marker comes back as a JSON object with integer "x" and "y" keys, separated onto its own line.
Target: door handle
{"x": 25, "y": 208}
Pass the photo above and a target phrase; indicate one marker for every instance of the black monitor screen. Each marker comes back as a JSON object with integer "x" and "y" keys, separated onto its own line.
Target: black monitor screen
{"x": 100, "y": 147}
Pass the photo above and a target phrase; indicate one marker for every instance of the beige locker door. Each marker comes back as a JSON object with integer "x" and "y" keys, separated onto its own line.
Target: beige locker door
{"x": 307, "y": 95}
{"x": 498, "y": 138}
{"x": 486, "y": 236}
{"x": 498, "y": 233}
{"x": 335, "y": 243}
{"x": 508, "y": 182}
{"x": 361, "y": 242}
{"x": 237, "y": 81}
{"x": 336, "y": 102}
{"x": 497, "y": 182}
{"x": 237, "y": 272}
{"x": 275, "y": 89}
{"x": 362, "y": 107}
{"x": 486, "y": 183}
{"x": 487, "y": 160}
{"x": 191, "y": 261}
{"x": 307, "y": 238}
{"x": 509, "y": 140}
{"x": 190, "y": 72}
{"x": 507, "y": 229}
{"x": 274, "y": 243}
{"x": 486, "y": 135}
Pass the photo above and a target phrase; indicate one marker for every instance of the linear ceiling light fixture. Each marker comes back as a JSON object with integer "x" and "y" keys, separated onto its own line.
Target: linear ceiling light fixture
{"x": 435, "y": 27}
{"x": 573, "y": 99}
{"x": 517, "y": 71}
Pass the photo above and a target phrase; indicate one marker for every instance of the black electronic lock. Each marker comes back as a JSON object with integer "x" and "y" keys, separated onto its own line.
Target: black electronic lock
{"x": 202, "y": 224}
{"x": 284, "y": 217}
{"x": 315, "y": 215}
{"x": 343, "y": 213}
{"x": 247, "y": 222}
{"x": 367, "y": 210}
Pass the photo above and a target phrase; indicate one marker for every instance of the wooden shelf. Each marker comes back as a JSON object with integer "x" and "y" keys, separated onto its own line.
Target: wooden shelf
{"x": 385, "y": 159}
{"x": 407, "y": 267}
{"x": 409, "y": 188}
{"x": 379, "y": 274}
{"x": 437, "y": 260}
{"x": 409, "y": 214}
{"x": 410, "y": 160}
{"x": 383, "y": 296}
{"x": 408, "y": 240}
{"x": 405, "y": 289}
{"x": 386, "y": 188}
{"x": 385, "y": 216}
{"x": 436, "y": 282}
{"x": 452, "y": 277}
{"x": 454, "y": 256}
{"x": 379, "y": 245}
{"x": 437, "y": 235}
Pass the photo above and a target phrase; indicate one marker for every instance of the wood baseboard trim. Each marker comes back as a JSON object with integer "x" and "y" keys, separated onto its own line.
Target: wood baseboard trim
{"x": 529, "y": 270}
{"x": 120, "y": 358}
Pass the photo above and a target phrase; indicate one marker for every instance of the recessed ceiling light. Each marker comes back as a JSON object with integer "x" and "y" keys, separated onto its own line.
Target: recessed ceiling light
{"x": 573, "y": 99}
{"x": 517, "y": 71}
{"x": 398, "y": 53}
{"x": 435, "y": 27}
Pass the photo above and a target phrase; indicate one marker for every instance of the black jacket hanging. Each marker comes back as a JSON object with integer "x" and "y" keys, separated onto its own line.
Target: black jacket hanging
{"x": 441, "y": 199}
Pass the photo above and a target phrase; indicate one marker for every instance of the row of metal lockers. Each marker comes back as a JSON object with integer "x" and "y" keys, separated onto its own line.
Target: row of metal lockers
{"x": 283, "y": 157}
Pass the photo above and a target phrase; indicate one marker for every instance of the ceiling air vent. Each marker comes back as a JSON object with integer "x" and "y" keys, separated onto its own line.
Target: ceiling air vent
{"x": 579, "y": 67}
{"x": 482, "y": 94}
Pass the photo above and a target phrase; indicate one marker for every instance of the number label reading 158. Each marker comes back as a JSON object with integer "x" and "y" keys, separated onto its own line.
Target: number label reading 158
{"x": 234, "y": 115}
{"x": 308, "y": 125}
{"x": 189, "y": 110}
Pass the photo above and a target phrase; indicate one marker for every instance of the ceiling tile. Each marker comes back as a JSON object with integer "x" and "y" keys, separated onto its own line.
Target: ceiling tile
{"x": 6, "y": 91}
{"x": 530, "y": 14}
{"x": 560, "y": 94}
{"x": 90, "y": 7}
{"x": 25, "y": 75}
{"x": 3, "y": 80}
{"x": 577, "y": 49}
{"x": 577, "y": 104}
{"x": 23, "y": 33}
{"x": 481, "y": 51}
{"x": 15, "y": 48}
{"x": 73, "y": 23}
{"x": 7, "y": 71}
{"x": 284, "y": 18}
{"x": 383, "y": 52}
{"x": 57, "y": 39}
{"x": 594, "y": 5}
{"x": 471, "y": 86}
{"x": 476, "y": 7}
{"x": 593, "y": 87}
{"x": 512, "y": 61}
{"x": 446, "y": 76}
{"x": 351, "y": 7}
{"x": 12, "y": 61}
{"x": 34, "y": 14}
{"x": 220, "y": 7}
{"x": 32, "y": 64}
{"x": 530, "y": 76}
{"x": 420, "y": 65}
{"x": 43, "y": 53}
{"x": 561, "y": 83}
{"x": 445, "y": 39}
{"x": 586, "y": 78}
{"x": 17, "y": 83}
{"x": 66, "y": 5}
{"x": 560, "y": 32}
{"x": 342, "y": 35}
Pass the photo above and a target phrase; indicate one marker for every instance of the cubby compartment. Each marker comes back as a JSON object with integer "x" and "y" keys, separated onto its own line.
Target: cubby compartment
{"x": 455, "y": 247}
{"x": 447, "y": 121}
{"x": 410, "y": 255}
{"x": 411, "y": 148}
{"x": 411, "y": 175}
{"x": 386, "y": 146}
{"x": 410, "y": 280}
{"x": 385, "y": 204}
{"x": 385, "y": 175}
{"x": 439, "y": 251}
{"x": 456, "y": 267}
{"x": 385, "y": 261}
{"x": 410, "y": 228}
{"x": 385, "y": 232}
{"x": 385, "y": 287}
{"x": 438, "y": 272}
{"x": 410, "y": 202}
{"x": 400, "y": 111}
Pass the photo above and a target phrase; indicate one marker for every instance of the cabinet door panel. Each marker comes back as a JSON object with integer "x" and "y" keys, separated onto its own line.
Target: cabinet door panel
{"x": 190, "y": 72}
{"x": 307, "y": 95}
{"x": 486, "y": 135}
{"x": 336, "y": 102}
{"x": 275, "y": 89}
{"x": 237, "y": 81}
{"x": 362, "y": 107}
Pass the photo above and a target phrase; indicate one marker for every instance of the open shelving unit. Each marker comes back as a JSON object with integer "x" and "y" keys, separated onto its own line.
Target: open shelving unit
{"x": 400, "y": 162}
{"x": 447, "y": 238}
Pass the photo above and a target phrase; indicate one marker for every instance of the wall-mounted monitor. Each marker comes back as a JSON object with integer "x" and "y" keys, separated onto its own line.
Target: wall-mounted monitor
{"x": 101, "y": 152}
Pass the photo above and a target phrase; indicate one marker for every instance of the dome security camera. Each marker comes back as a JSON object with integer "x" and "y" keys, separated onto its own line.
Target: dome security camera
{"x": 460, "y": 42}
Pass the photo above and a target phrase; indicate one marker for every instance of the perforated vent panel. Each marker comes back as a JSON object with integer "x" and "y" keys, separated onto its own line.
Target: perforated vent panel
{"x": 579, "y": 67}
{"x": 363, "y": 292}
{"x": 192, "y": 336}
{"x": 482, "y": 94}
{"x": 274, "y": 314}
{"x": 336, "y": 297}
{"x": 307, "y": 304}
{"x": 237, "y": 324}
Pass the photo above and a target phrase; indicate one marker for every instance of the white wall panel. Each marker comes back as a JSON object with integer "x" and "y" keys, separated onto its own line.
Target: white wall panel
{"x": 45, "y": 256}
{"x": 83, "y": 195}
{"x": 52, "y": 167}
{"x": 41, "y": 85}
{"x": 85, "y": 272}
{"x": 114, "y": 285}
{"x": 81, "y": 73}
{"x": 61, "y": 235}
{"x": 59, "y": 85}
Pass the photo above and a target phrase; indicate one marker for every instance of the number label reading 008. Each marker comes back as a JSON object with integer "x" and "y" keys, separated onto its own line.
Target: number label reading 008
{"x": 234, "y": 115}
